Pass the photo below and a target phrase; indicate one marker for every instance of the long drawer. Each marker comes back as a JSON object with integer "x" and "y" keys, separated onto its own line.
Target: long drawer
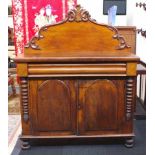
{"x": 65, "y": 70}
{"x": 77, "y": 69}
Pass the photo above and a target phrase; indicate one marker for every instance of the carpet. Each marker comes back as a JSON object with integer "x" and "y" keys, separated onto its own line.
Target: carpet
{"x": 102, "y": 149}
{"x": 14, "y": 105}
{"x": 14, "y": 129}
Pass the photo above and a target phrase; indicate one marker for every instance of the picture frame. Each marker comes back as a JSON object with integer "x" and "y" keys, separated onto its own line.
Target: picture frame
{"x": 121, "y": 6}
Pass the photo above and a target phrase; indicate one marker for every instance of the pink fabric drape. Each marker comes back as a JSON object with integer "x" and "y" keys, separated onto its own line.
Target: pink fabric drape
{"x": 30, "y": 15}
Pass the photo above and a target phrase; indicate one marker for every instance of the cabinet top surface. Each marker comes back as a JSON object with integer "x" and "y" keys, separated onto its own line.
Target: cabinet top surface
{"x": 87, "y": 56}
{"x": 77, "y": 39}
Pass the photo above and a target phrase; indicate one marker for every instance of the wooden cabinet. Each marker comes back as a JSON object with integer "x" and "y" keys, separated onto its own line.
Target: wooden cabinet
{"x": 75, "y": 107}
{"x": 77, "y": 80}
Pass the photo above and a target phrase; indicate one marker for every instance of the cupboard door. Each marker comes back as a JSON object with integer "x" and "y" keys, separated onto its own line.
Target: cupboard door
{"x": 98, "y": 106}
{"x": 53, "y": 107}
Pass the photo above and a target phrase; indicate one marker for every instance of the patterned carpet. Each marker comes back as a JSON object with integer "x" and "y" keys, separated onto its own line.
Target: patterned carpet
{"x": 14, "y": 124}
{"x": 14, "y": 129}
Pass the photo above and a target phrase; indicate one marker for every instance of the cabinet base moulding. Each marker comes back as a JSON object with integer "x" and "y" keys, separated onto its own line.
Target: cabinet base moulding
{"x": 85, "y": 136}
{"x": 128, "y": 138}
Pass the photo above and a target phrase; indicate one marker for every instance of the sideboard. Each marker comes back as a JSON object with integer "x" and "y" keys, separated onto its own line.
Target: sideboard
{"x": 78, "y": 80}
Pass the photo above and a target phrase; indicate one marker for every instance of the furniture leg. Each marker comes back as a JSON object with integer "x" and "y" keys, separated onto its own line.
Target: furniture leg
{"x": 25, "y": 144}
{"x": 129, "y": 142}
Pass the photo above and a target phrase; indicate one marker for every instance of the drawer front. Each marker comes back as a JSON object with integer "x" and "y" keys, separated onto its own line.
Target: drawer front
{"x": 109, "y": 69}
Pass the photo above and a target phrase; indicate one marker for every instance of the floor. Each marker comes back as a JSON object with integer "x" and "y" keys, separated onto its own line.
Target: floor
{"x": 140, "y": 113}
{"x": 14, "y": 105}
{"x": 14, "y": 119}
{"x": 14, "y": 129}
{"x": 102, "y": 149}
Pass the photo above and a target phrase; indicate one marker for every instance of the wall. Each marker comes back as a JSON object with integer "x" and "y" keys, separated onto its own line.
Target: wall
{"x": 95, "y": 9}
{"x": 10, "y": 19}
{"x": 139, "y": 19}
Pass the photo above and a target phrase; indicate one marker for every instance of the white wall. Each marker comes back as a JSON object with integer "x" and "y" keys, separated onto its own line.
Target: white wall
{"x": 10, "y": 19}
{"x": 9, "y": 2}
{"x": 140, "y": 20}
{"x": 95, "y": 9}
{"x": 10, "y": 22}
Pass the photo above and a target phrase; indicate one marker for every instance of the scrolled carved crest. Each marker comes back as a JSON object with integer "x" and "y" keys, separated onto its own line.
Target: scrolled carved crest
{"x": 78, "y": 14}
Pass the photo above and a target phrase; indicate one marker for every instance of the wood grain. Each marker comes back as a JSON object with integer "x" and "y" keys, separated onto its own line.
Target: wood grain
{"x": 22, "y": 69}
{"x": 77, "y": 69}
{"x": 54, "y": 106}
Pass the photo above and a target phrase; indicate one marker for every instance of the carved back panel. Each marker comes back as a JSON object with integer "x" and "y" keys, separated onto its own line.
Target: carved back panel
{"x": 77, "y": 35}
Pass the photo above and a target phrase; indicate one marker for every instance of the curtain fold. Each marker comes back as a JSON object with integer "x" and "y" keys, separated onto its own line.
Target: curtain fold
{"x": 30, "y": 15}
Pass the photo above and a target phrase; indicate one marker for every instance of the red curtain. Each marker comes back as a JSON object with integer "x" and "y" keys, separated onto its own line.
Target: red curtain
{"x": 30, "y": 15}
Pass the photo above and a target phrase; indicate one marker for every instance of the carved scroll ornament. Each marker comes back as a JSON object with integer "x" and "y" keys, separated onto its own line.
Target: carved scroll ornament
{"x": 78, "y": 14}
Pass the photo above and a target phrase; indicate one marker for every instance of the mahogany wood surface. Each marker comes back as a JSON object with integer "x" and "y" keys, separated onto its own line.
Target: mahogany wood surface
{"x": 78, "y": 80}
{"x": 129, "y": 34}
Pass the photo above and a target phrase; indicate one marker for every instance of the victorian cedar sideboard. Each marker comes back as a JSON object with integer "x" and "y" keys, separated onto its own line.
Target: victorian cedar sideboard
{"x": 77, "y": 80}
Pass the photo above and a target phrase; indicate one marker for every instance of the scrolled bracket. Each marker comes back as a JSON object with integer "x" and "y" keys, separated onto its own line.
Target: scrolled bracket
{"x": 32, "y": 43}
{"x": 141, "y": 5}
{"x": 142, "y": 32}
{"x": 122, "y": 42}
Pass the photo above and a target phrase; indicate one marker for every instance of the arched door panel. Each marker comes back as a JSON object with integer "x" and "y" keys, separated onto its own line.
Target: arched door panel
{"x": 98, "y": 106}
{"x": 55, "y": 106}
